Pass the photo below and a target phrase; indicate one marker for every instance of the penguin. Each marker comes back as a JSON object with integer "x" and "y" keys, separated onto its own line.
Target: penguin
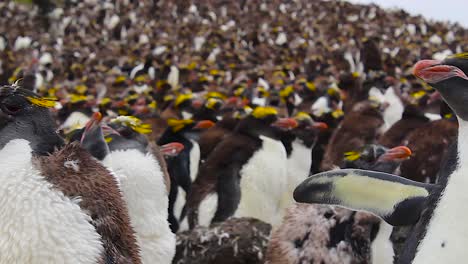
{"x": 248, "y": 166}
{"x": 209, "y": 110}
{"x": 143, "y": 177}
{"x": 59, "y": 205}
{"x": 299, "y": 144}
{"x": 184, "y": 167}
{"x": 359, "y": 127}
{"x": 440, "y": 232}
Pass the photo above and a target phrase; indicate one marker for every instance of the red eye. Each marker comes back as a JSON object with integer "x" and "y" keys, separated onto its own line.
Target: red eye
{"x": 11, "y": 109}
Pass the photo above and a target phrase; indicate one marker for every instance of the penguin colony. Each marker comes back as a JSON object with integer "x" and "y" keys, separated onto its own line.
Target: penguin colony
{"x": 230, "y": 132}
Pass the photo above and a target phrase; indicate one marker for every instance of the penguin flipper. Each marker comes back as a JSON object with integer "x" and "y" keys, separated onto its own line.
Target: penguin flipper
{"x": 396, "y": 200}
{"x": 229, "y": 194}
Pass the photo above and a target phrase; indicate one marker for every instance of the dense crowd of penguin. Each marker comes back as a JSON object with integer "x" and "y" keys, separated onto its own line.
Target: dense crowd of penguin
{"x": 230, "y": 132}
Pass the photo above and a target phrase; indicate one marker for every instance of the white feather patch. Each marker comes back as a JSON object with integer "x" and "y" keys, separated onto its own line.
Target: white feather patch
{"x": 263, "y": 181}
{"x": 39, "y": 224}
{"x": 143, "y": 188}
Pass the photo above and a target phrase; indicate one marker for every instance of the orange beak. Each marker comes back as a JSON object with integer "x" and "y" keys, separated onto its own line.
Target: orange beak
{"x": 321, "y": 126}
{"x": 96, "y": 119}
{"x": 232, "y": 100}
{"x": 197, "y": 104}
{"x": 286, "y": 123}
{"x": 204, "y": 124}
{"x": 396, "y": 153}
{"x": 171, "y": 149}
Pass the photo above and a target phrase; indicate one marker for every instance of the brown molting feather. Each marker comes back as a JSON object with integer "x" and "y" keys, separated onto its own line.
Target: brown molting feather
{"x": 154, "y": 149}
{"x": 395, "y": 135}
{"x": 429, "y": 144}
{"x": 411, "y": 119}
{"x": 100, "y": 196}
{"x": 321, "y": 234}
{"x": 358, "y": 128}
{"x": 210, "y": 138}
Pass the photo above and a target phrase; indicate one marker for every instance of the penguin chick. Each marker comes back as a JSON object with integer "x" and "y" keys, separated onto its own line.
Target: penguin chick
{"x": 78, "y": 213}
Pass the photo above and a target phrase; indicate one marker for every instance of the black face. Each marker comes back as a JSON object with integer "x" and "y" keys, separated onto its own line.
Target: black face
{"x": 455, "y": 92}
{"x": 20, "y": 119}
{"x": 369, "y": 159}
{"x": 127, "y": 139}
{"x": 258, "y": 126}
{"x": 449, "y": 78}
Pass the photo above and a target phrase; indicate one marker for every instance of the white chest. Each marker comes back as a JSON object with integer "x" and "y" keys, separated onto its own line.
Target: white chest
{"x": 143, "y": 188}
{"x": 194, "y": 159}
{"x": 298, "y": 168}
{"x": 382, "y": 247}
{"x": 39, "y": 223}
{"x": 447, "y": 232}
{"x": 299, "y": 163}
{"x": 263, "y": 181}
{"x": 76, "y": 119}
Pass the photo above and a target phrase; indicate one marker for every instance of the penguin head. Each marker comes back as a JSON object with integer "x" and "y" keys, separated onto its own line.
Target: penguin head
{"x": 185, "y": 125}
{"x": 25, "y": 115}
{"x": 449, "y": 78}
{"x": 377, "y": 158}
{"x": 307, "y": 129}
{"x": 127, "y": 132}
{"x": 92, "y": 137}
{"x": 265, "y": 121}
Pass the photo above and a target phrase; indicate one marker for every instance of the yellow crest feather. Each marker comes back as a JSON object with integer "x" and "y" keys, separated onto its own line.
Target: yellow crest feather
{"x": 182, "y": 98}
{"x": 134, "y": 123}
{"x": 352, "y": 155}
{"x": 42, "y": 101}
{"x": 303, "y": 116}
{"x": 463, "y": 55}
{"x": 261, "y": 112}
{"x": 286, "y": 91}
{"x": 178, "y": 124}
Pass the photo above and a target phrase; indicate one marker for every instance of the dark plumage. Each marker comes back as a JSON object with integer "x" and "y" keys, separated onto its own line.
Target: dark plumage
{"x": 359, "y": 127}
{"x": 429, "y": 144}
{"x": 411, "y": 119}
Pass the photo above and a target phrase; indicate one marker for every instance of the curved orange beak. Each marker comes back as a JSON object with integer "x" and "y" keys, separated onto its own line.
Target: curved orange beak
{"x": 286, "y": 123}
{"x": 320, "y": 126}
{"x": 204, "y": 124}
{"x": 95, "y": 120}
{"x": 171, "y": 149}
{"x": 396, "y": 154}
{"x": 197, "y": 104}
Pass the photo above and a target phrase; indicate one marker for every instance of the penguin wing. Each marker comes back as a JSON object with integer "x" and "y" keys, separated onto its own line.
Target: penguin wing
{"x": 229, "y": 193}
{"x": 396, "y": 200}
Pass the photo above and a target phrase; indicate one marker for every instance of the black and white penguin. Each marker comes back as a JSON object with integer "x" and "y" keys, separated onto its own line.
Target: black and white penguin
{"x": 184, "y": 167}
{"x": 299, "y": 143}
{"x": 141, "y": 171}
{"x": 58, "y": 204}
{"x": 247, "y": 167}
{"x": 440, "y": 233}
